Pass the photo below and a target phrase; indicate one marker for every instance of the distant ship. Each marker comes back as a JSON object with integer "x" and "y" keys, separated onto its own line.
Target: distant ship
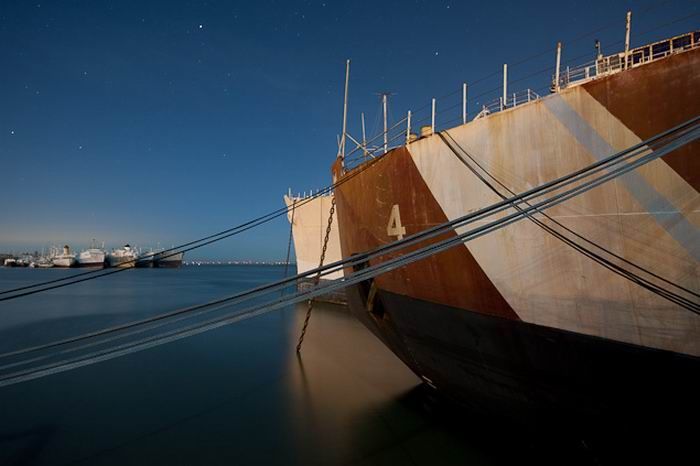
{"x": 64, "y": 258}
{"x": 309, "y": 219}
{"x": 92, "y": 257}
{"x": 518, "y": 321}
{"x": 43, "y": 263}
{"x": 168, "y": 259}
{"x": 145, "y": 259}
{"x": 122, "y": 257}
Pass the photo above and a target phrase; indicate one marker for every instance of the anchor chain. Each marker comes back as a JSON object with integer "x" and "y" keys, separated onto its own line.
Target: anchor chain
{"x": 317, "y": 278}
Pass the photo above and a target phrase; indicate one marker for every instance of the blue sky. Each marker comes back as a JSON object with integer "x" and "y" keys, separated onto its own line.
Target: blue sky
{"x": 163, "y": 121}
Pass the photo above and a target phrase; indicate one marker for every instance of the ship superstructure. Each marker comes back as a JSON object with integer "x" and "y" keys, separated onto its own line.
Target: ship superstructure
{"x": 92, "y": 257}
{"x": 64, "y": 258}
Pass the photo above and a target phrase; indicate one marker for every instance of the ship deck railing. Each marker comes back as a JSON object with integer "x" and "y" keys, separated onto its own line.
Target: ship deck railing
{"x": 511, "y": 101}
{"x": 611, "y": 64}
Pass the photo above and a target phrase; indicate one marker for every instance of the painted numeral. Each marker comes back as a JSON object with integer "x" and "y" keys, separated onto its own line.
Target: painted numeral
{"x": 394, "y": 228}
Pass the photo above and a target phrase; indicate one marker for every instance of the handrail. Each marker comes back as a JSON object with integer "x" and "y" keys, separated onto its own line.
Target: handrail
{"x": 604, "y": 66}
{"x": 512, "y": 100}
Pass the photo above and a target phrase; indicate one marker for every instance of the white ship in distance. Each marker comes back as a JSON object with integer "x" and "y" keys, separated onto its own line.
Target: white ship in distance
{"x": 64, "y": 258}
{"x": 122, "y": 257}
{"x": 92, "y": 257}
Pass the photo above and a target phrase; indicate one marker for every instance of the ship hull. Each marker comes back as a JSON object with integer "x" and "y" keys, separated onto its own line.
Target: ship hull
{"x": 121, "y": 262}
{"x": 90, "y": 264}
{"x": 526, "y": 372}
{"x": 519, "y": 322}
{"x": 64, "y": 262}
{"x": 309, "y": 219}
{"x": 168, "y": 264}
{"x": 91, "y": 258}
{"x": 173, "y": 260}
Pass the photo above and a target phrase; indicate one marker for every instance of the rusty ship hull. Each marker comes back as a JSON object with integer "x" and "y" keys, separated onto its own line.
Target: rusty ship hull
{"x": 516, "y": 322}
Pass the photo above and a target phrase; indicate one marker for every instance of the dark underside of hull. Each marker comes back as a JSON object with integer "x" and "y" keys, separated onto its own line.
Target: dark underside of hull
{"x": 167, "y": 264}
{"x": 532, "y": 374}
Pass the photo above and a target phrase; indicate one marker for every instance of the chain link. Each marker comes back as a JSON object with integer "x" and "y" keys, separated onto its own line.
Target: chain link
{"x": 317, "y": 278}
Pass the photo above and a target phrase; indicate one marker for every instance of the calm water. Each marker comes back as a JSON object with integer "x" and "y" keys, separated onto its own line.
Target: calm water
{"x": 235, "y": 395}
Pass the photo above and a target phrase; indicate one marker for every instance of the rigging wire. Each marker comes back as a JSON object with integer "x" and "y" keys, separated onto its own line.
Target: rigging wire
{"x": 675, "y": 135}
{"x": 195, "y": 244}
{"x": 673, "y": 297}
{"x": 277, "y": 213}
{"x": 363, "y": 274}
{"x": 473, "y": 99}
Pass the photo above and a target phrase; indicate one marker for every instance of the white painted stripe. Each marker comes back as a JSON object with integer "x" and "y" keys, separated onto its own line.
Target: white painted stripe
{"x": 675, "y": 224}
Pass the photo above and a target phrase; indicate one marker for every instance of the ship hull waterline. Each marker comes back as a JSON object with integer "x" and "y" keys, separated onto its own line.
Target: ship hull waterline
{"x": 524, "y": 372}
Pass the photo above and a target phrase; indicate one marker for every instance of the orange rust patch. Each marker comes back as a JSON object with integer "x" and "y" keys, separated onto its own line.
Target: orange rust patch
{"x": 655, "y": 97}
{"x": 365, "y": 203}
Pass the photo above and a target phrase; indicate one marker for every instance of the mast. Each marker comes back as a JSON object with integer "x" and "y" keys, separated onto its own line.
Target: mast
{"x": 345, "y": 110}
{"x": 556, "y": 68}
{"x": 384, "y": 110}
{"x": 628, "y": 26}
{"x": 364, "y": 136}
{"x": 505, "y": 87}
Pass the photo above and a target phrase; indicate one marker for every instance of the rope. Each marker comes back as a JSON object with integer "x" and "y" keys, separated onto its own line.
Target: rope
{"x": 93, "y": 274}
{"x": 377, "y": 269}
{"x": 669, "y": 295}
{"x": 317, "y": 278}
{"x": 675, "y": 134}
{"x": 274, "y": 214}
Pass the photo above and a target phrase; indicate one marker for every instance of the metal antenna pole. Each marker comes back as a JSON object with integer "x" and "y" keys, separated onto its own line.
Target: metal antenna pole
{"x": 364, "y": 137}
{"x": 408, "y": 128}
{"x": 556, "y": 68}
{"x": 505, "y": 84}
{"x": 432, "y": 119}
{"x": 628, "y": 27}
{"x": 386, "y": 140}
{"x": 345, "y": 110}
{"x": 464, "y": 103}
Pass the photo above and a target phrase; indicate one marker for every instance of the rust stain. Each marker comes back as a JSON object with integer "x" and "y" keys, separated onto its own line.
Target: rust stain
{"x": 655, "y": 97}
{"x": 365, "y": 202}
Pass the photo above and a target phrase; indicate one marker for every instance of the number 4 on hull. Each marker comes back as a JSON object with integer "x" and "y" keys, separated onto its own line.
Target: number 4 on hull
{"x": 394, "y": 228}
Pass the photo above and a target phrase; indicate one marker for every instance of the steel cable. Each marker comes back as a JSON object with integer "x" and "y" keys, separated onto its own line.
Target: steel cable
{"x": 684, "y": 138}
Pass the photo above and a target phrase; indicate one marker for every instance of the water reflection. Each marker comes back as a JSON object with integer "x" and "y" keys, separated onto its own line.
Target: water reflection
{"x": 236, "y": 395}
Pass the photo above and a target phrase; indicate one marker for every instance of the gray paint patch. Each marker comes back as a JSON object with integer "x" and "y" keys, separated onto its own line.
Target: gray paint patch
{"x": 663, "y": 211}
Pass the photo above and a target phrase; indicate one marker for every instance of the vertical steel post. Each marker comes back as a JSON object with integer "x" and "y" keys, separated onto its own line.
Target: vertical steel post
{"x": 408, "y": 128}
{"x": 432, "y": 124}
{"x": 505, "y": 84}
{"x": 556, "y": 68}
{"x": 464, "y": 103}
{"x": 345, "y": 110}
{"x": 628, "y": 27}
{"x": 364, "y": 137}
{"x": 386, "y": 140}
